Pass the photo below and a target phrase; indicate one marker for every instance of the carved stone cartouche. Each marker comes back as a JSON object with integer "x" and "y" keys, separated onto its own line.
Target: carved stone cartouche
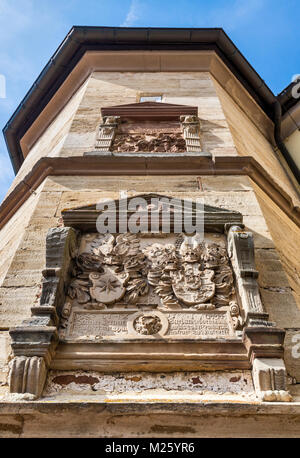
{"x": 115, "y": 269}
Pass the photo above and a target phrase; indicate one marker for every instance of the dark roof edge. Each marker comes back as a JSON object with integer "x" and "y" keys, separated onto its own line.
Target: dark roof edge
{"x": 286, "y": 98}
{"x": 81, "y": 39}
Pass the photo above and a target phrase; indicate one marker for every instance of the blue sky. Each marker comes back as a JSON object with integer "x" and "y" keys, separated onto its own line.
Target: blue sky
{"x": 267, "y": 32}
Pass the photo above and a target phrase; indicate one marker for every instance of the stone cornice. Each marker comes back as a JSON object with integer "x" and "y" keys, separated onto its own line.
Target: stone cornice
{"x": 147, "y": 164}
{"x": 211, "y": 407}
{"x": 150, "y": 110}
{"x": 217, "y": 417}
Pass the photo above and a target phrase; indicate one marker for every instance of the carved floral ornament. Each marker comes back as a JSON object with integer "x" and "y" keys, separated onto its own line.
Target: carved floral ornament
{"x": 141, "y": 288}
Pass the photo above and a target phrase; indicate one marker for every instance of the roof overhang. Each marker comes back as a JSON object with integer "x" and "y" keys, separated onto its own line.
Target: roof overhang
{"x": 81, "y": 41}
{"x": 291, "y": 117}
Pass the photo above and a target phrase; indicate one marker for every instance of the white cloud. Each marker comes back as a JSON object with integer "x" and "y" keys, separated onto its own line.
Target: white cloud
{"x": 132, "y": 15}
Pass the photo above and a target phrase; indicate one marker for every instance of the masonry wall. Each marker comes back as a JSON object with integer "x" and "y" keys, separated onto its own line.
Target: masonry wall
{"x": 250, "y": 141}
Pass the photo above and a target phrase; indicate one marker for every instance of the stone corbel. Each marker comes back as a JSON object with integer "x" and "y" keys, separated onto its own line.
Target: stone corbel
{"x": 265, "y": 351}
{"x": 263, "y": 341}
{"x": 34, "y": 341}
{"x": 269, "y": 378}
{"x": 107, "y": 132}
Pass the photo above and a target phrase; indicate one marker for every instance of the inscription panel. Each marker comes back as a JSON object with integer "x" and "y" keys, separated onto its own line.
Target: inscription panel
{"x": 98, "y": 324}
{"x": 200, "y": 324}
{"x": 138, "y": 324}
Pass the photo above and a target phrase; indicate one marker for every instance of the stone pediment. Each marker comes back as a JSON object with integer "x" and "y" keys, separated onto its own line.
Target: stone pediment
{"x": 214, "y": 219}
{"x": 149, "y": 110}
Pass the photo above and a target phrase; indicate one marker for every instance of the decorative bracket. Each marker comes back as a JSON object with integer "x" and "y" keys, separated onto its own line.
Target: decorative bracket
{"x": 35, "y": 340}
{"x": 265, "y": 351}
{"x": 269, "y": 377}
{"x": 107, "y": 132}
{"x": 191, "y": 133}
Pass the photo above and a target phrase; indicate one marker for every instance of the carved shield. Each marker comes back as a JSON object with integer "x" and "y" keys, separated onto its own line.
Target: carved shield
{"x": 107, "y": 287}
{"x": 193, "y": 286}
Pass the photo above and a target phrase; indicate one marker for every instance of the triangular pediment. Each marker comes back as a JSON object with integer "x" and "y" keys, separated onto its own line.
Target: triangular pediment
{"x": 149, "y": 110}
{"x": 214, "y": 218}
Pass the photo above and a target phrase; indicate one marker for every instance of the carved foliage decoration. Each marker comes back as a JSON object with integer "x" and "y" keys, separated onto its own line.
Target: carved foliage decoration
{"x": 156, "y": 142}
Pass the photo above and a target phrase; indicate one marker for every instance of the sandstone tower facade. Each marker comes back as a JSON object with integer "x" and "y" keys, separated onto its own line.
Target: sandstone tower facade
{"x": 157, "y": 333}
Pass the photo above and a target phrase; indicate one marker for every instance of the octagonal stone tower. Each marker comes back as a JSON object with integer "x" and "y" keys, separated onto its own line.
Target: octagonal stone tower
{"x": 145, "y": 330}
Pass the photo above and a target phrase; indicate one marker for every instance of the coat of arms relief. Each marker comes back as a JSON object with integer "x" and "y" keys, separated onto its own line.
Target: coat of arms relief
{"x": 130, "y": 271}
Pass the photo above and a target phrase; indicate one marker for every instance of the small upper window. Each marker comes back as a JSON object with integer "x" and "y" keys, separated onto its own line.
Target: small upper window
{"x": 152, "y": 98}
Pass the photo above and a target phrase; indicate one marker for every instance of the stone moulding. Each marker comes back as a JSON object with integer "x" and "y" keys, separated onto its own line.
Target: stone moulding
{"x": 214, "y": 219}
{"x": 257, "y": 344}
{"x": 146, "y": 164}
{"x": 150, "y": 110}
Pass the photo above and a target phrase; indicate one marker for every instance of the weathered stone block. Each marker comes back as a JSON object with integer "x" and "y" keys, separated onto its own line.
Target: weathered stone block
{"x": 245, "y": 202}
{"x": 270, "y": 269}
{"x": 281, "y": 306}
{"x": 270, "y": 379}
{"x": 117, "y": 183}
{"x": 225, "y": 183}
{"x": 47, "y": 204}
{"x": 15, "y": 304}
